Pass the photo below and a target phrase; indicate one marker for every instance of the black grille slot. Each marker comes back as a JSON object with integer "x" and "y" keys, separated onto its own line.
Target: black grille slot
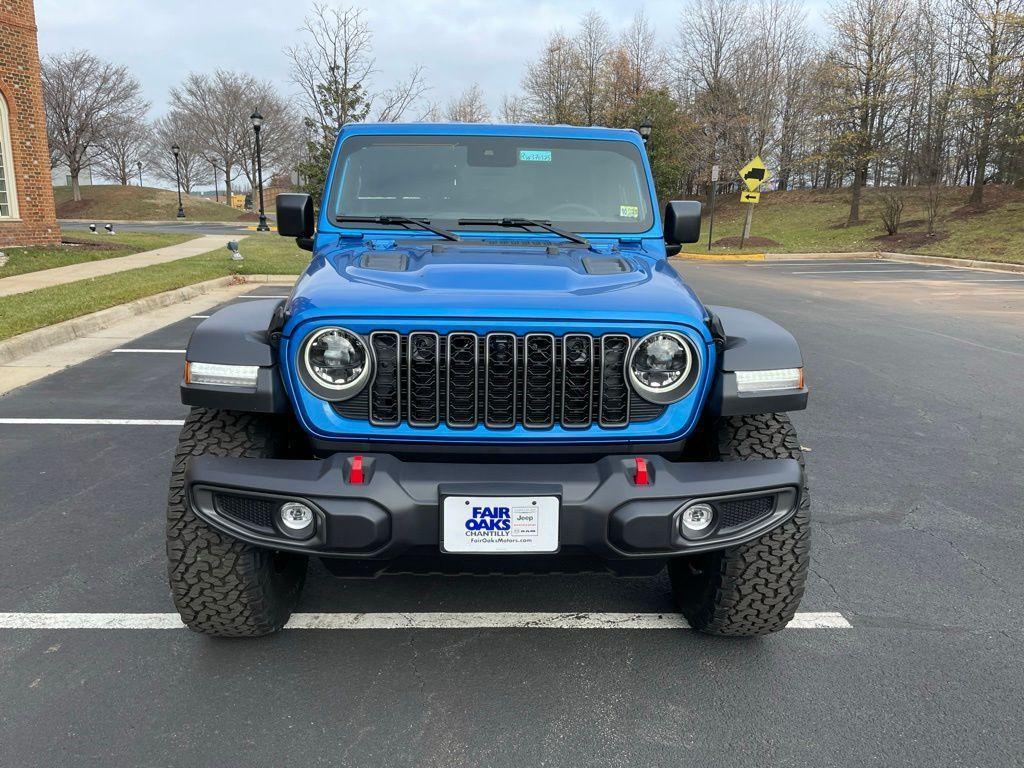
{"x": 613, "y": 408}
{"x": 500, "y": 363}
{"x": 386, "y": 390}
{"x": 462, "y": 386}
{"x": 577, "y": 379}
{"x": 737, "y": 512}
{"x": 424, "y": 379}
{"x": 539, "y": 380}
{"x": 248, "y": 510}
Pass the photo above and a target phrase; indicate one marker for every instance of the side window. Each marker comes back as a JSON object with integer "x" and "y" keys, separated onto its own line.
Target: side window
{"x": 8, "y": 196}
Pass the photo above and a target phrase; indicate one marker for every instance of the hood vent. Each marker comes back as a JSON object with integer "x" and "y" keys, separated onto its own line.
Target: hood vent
{"x": 384, "y": 261}
{"x": 602, "y": 265}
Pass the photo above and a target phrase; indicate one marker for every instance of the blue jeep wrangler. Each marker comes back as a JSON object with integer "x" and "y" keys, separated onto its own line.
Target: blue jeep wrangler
{"x": 489, "y": 366}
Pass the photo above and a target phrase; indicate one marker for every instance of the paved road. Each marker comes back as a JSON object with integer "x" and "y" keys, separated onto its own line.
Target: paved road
{"x": 916, "y": 435}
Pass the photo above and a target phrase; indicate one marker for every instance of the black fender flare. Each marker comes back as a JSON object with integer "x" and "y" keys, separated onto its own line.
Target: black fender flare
{"x": 239, "y": 334}
{"x": 751, "y": 342}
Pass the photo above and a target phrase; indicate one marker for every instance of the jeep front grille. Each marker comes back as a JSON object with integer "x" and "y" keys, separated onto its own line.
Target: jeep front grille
{"x": 500, "y": 380}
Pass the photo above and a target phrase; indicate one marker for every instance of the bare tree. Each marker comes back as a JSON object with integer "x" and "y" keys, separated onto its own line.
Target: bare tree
{"x": 84, "y": 99}
{"x": 469, "y": 107}
{"x": 332, "y": 67}
{"x": 393, "y": 104}
{"x": 992, "y": 50}
{"x": 711, "y": 36}
{"x": 643, "y": 55}
{"x": 593, "y": 47}
{"x": 217, "y": 107}
{"x": 513, "y": 109}
{"x": 123, "y": 146}
{"x": 194, "y": 166}
{"x": 867, "y": 62}
{"x": 552, "y": 83}
{"x": 281, "y": 135}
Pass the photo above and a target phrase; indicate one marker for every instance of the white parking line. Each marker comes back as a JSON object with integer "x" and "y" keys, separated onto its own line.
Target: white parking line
{"x": 826, "y": 620}
{"x": 152, "y": 351}
{"x": 813, "y": 263}
{"x": 198, "y": 317}
{"x": 101, "y": 422}
{"x": 870, "y": 271}
{"x": 261, "y": 296}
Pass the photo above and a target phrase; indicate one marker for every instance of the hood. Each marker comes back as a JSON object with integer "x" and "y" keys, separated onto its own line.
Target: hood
{"x": 491, "y": 278}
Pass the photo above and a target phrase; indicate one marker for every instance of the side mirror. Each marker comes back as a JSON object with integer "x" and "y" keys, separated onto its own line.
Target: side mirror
{"x": 682, "y": 224}
{"x": 295, "y": 218}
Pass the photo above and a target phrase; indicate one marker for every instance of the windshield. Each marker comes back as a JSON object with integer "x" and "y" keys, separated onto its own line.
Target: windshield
{"x": 581, "y": 185}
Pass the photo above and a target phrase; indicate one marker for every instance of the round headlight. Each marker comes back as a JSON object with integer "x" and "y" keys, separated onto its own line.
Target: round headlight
{"x": 335, "y": 363}
{"x": 663, "y": 367}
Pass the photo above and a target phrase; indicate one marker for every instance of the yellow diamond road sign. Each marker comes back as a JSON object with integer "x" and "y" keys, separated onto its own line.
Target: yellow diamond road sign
{"x": 749, "y": 197}
{"x": 755, "y": 173}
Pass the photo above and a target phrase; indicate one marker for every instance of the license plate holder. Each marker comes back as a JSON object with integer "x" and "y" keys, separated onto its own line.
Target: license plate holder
{"x": 500, "y": 524}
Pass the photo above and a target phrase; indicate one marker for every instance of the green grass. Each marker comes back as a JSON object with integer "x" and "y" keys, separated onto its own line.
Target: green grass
{"x": 114, "y": 202}
{"x": 85, "y": 246}
{"x": 264, "y": 254}
{"x": 805, "y": 221}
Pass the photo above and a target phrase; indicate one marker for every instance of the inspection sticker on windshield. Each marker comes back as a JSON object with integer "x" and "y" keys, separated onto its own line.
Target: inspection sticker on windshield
{"x": 629, "y": 211}
{"x": 535, "y": 155}
{"x": 499, "y": 524}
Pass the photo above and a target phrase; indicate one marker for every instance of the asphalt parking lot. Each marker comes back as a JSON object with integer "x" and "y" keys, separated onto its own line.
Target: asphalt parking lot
{"x": 915, "y": 440}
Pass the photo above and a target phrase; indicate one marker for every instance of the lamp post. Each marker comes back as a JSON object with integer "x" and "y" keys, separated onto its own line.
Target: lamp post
{"x": 645, "y": 130}
{"x": 177, "y": 175}
{"x": 216, "y": 191}
{"x": 257, "y": 123}
{"x": 139, "y": 163}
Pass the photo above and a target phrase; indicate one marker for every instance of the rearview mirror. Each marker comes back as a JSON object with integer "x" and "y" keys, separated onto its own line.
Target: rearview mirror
{"x": 682, "y": 224}
{"x": 295, "y": 218}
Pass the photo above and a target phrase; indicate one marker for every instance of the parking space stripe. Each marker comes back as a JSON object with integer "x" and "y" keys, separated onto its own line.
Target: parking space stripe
{"x": 100, "y": 422}
{"x": 198, "y": 317}
{"x": 870, "y": 271}
{"x": 152, "y": 351}
{"x": 391, "y": 621}
{"x": 262, "y": 296}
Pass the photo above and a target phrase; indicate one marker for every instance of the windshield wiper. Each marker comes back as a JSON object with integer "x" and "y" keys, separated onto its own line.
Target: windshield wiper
{"x": 422, "y": 223}
{"x": 513, "y": 222}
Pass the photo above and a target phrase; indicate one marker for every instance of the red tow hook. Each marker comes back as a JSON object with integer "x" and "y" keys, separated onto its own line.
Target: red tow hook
{"x": 643, "y": 475}
{"x": 355, "y": 473}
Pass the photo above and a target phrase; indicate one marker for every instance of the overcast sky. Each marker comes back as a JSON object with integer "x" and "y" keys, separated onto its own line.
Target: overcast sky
{"x": 458, "y": 41}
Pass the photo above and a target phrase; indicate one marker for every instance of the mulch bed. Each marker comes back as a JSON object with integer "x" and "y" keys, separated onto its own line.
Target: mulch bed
{"x": 908, "y": 240}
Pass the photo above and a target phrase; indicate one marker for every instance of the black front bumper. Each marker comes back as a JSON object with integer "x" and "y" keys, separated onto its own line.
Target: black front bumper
{"x": 395, "y": 509}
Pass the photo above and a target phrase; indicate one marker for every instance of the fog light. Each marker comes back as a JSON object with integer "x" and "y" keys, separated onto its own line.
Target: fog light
{"x": 296, "y": 519}
{"x": 696, "y": 518}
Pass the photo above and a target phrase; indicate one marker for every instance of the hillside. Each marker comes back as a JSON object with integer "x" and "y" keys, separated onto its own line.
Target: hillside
{"x": 106, "y": 202}
{"x": 815, "y": 220}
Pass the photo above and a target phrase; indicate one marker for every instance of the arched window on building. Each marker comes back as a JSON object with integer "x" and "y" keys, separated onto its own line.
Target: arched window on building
{"x": 8, "y": 196}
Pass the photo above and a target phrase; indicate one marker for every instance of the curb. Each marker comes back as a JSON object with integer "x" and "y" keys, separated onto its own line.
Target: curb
{"x": 68, "y": 330}
{"x": 720, "y": 256}
{"x": 995, "y": 266}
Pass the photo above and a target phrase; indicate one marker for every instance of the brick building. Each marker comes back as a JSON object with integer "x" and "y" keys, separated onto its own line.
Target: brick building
{"x": 27, "y": 215}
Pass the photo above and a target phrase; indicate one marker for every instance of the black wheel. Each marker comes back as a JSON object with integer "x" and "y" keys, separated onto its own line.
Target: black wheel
{"x": 223, "y": 586}
{"x": 754, "y": 588}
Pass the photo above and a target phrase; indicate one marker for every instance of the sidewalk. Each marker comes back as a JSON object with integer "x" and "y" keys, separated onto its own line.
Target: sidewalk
{"x": 46, "y": 278}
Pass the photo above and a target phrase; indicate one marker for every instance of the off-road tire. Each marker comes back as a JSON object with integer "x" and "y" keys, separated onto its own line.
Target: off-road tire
{"x": 220, "y": 585}
{"x": 753, "y": 588}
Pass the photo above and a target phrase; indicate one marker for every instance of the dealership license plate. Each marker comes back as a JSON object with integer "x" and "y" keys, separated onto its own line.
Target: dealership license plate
{"x": 499, "y": 524}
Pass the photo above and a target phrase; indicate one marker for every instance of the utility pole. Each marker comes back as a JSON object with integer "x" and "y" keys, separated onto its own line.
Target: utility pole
{"x": 746, "y": 224}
